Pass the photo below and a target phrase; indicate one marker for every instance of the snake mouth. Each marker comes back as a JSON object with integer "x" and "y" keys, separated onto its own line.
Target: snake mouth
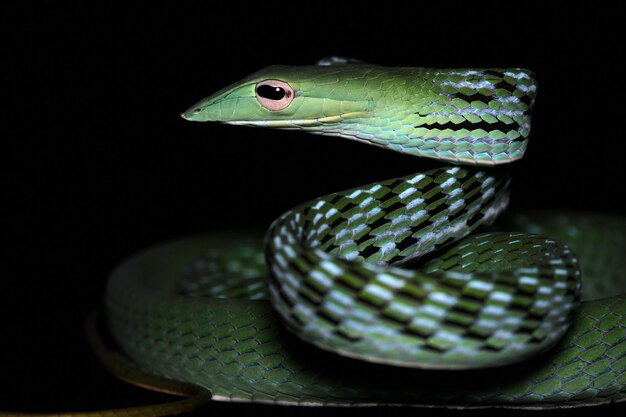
{"x": 297, "y": 123}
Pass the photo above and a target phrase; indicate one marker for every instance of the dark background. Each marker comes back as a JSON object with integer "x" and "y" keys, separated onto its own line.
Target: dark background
{"x": 98, "y": 164}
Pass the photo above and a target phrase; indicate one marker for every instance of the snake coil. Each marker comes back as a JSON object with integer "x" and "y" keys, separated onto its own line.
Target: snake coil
{"x": 347, "y": 270}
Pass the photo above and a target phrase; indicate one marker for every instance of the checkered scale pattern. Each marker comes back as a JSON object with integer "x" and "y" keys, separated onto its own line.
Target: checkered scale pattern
{"x": 337, "y": 283}
{"x": 238, "y": 350}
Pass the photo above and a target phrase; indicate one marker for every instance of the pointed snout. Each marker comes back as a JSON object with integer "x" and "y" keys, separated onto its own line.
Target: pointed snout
{"x": 228, "y": 104}
{"x": 201, "y": 111}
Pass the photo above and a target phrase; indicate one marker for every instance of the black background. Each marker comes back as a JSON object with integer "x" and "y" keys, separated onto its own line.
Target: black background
{"x": 98, "y": 164}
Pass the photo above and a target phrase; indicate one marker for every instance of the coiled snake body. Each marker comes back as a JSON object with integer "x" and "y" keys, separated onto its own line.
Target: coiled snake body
{"x": 352, "y": 307}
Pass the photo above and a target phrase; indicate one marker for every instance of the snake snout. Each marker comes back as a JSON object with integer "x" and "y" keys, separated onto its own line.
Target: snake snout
{"x": 199, "y": 112}
{"x": 191, "y": 114}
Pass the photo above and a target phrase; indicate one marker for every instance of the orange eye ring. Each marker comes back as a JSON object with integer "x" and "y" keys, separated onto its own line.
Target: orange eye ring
{"x": 274, "y": 95}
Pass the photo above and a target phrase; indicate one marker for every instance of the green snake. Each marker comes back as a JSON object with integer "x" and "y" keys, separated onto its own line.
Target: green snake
{"x": 379, "y": 294}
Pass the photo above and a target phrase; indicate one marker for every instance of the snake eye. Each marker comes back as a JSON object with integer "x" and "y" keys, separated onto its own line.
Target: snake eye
{"x": 274, "y": 95}
{"x": 270, "y": 92}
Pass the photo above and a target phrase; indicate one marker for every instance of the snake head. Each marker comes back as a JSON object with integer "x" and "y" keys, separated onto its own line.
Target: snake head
{"x": 282, "y": 97}
{"x": 464, "y": 116}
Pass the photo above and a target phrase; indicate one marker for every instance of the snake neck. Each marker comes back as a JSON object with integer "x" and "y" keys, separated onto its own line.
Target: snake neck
{"x": 467, "y": 116}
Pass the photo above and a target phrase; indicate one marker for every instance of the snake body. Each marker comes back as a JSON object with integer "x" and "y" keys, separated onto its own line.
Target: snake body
{"x": 379, "y": 294}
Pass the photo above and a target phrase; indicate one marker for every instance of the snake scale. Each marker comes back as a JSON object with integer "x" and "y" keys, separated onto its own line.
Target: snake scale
{"x": 382, "y": 294}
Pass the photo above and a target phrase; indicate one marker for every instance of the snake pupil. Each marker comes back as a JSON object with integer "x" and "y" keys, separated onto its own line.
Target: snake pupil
{"x": 270, "y": 92}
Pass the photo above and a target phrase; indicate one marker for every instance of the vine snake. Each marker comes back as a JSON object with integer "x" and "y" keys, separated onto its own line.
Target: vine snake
{"x": 380, "y": 294}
